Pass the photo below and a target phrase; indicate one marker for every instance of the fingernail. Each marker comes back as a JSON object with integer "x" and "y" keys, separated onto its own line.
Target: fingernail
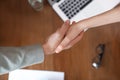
{"x": 67, "y": 21}
{"x": 59, "y": 49}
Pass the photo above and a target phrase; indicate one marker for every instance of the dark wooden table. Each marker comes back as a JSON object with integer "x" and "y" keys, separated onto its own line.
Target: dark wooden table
{"x": 20, "y": 25}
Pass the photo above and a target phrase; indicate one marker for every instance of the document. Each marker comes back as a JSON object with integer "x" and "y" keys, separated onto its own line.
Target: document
{"x": 23, "y": 74}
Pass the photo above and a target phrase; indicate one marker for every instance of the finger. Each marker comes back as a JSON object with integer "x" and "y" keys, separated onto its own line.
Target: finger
{"x": 73, "y": 22}
{"x": 62, "y": 31}
{"x": 64, "y": 27}
{"x": 71, "y": 25}
{"x": 76, "y": 40}
{"x": 59, "y": 34}
{"x": 71, "y": 35}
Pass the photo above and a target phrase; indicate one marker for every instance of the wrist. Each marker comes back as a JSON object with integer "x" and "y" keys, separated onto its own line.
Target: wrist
{"x": 45, "y": 49}
{"x": 84, "y": 24}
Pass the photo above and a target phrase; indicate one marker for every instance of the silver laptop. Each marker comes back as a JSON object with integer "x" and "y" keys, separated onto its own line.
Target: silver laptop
{"x": 76, "y": 10}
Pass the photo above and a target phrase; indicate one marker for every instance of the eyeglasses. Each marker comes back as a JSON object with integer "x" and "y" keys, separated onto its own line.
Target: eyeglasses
{"x": 98, "y": 59}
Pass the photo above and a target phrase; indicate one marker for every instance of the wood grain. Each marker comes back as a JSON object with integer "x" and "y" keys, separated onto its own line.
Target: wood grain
{"x": 20, "y": 25}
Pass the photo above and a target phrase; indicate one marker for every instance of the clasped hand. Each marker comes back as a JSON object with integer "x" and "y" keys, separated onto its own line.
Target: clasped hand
{"x": 68, "y": 35}
{"x": 64, "y": 38}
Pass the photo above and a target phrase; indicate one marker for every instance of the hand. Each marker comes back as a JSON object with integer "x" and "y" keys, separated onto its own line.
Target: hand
{"x": 55, "y": 39}
{"x": 76, "y": 31}
{"x": 74, "y": 35}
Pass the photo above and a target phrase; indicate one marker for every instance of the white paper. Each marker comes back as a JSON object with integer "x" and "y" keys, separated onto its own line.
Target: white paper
{"x": 23, "y": 74}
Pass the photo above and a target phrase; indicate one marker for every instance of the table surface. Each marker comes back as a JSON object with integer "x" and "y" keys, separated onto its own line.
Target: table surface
{"x": 20, "y": 25}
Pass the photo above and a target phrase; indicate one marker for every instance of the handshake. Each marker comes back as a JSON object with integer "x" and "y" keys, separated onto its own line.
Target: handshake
{"x": 64, "y": 38}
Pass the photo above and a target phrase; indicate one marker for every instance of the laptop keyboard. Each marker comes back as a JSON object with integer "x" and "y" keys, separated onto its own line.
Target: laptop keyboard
{"x": 72, "y": 7}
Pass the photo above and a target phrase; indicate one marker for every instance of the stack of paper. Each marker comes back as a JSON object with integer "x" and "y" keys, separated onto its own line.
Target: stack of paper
{"x": 23, "y": 74}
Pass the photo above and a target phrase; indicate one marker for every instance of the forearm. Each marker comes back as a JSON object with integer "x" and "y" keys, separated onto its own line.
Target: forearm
{"x": 109, "y": 17}
{"x": 12, "y": 58}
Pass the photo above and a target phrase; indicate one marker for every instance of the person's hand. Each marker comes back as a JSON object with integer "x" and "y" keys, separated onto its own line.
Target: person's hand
{"x": 76, "y": 31}
{"x": 73, "y": 36}
{"x": 55, "y": 39}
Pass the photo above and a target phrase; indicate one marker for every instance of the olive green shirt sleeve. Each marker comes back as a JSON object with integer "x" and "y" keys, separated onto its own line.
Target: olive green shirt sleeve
{"x": 12, "y": 58}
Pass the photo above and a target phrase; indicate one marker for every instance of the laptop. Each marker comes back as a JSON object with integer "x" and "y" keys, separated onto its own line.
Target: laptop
{"x": 76, "y": 10}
